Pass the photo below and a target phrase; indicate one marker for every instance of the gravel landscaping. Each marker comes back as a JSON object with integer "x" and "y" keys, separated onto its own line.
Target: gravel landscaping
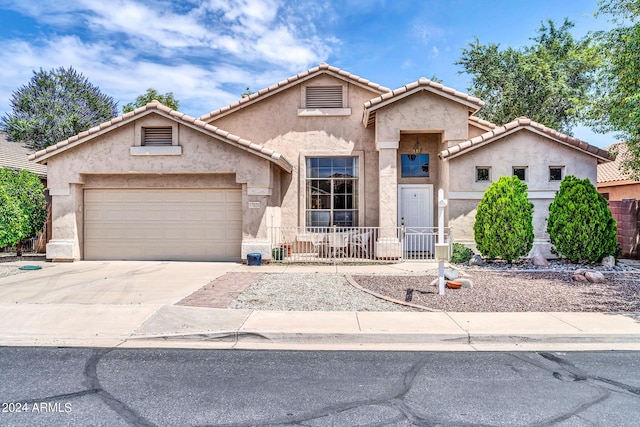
{"x": 493, "y": 291}
{"x": 515, "y": 291}
{"x": 309, "y": 292}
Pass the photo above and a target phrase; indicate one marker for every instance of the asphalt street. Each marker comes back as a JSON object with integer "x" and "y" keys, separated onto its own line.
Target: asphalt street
{"x": 168, "y": 387}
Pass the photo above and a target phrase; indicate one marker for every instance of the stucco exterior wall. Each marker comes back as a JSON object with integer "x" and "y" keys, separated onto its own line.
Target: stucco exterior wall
{"x": 275, "y": 123}
{"x": 620, "y": 192}
{"x": 474, "y": 131}
{"x": 423, "y": 111}
{"x": 521, "y": 149}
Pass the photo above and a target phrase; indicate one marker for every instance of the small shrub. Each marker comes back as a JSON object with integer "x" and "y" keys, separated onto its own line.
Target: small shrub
{"x": 460, "y": 254}
{"x": 580, "y": 224}
{"x": 504, "y": 220}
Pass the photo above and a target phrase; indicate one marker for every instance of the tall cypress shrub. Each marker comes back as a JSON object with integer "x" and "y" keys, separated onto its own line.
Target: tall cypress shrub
{"x": 504, "y": 220}
{"x": 580, "y": 225}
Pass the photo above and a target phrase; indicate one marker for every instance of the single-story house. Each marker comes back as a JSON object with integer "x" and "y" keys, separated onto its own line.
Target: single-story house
{"x": 320, "y": 149}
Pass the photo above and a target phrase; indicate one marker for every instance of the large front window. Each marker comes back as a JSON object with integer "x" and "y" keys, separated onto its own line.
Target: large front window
{"x": 332, "y": 191}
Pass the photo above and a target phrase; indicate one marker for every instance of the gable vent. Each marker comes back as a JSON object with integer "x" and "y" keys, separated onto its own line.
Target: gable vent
{"x": 157, "y": 136}
{"x": 323, "y": 97}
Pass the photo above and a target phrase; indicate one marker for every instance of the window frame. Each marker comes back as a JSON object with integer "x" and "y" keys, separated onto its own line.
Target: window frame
{"x": 420, "y": 164}
{"x": 477, "y": 177}
{"x": 355, "y": 194}
{"x": 525, "y": 169}
{"x": 562, "y": 174}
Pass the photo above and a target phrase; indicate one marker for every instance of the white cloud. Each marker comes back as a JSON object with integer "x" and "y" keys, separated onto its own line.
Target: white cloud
{"x": 118, "y": 75}
{"x": 195, "y": 49}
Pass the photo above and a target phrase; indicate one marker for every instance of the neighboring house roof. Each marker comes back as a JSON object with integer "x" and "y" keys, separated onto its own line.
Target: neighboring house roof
{"x": 158, "y": 108}
{"x": 423, "y": 84}
{"x": 14, "y": 155}
{"x": 518, "y": 125}
{"x": 612, "y": 173}
{"x": 323, "y": 68}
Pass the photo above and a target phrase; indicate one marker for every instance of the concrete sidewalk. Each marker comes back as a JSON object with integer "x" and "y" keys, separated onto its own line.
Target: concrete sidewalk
{"x": 132, "y": 304}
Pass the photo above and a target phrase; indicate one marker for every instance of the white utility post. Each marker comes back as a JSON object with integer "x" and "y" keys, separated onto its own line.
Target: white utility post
{"x": 442, "y": 248}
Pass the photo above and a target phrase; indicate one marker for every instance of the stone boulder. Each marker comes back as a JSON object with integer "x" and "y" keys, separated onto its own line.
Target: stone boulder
{"x": 539, "y": 261}
{"x": 451, "y": 273}
{"x": 609, "y": 262}
{"x": 476, "y": 260}
{"x": 578, "y": 278}
{"x": 594, "y": 276}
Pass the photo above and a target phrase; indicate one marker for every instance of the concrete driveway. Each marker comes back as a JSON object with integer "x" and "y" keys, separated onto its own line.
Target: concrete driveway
{"x": 96, "y": 303}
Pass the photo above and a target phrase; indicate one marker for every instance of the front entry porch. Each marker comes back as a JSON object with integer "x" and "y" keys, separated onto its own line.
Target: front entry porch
{"x": 352, "y": 244}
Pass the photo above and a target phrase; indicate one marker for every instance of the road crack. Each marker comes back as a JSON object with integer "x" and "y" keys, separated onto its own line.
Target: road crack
{"x": 93, "y": 383}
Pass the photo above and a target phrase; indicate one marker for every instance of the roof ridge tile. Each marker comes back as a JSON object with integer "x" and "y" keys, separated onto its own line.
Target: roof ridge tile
{"x": 524, "y": 122}
{"x": 322, "y": 67}
{"x": 176, "y": 115}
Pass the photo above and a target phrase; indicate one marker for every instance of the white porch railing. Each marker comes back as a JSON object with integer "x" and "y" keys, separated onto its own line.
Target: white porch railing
{"x": 352, "y": 244}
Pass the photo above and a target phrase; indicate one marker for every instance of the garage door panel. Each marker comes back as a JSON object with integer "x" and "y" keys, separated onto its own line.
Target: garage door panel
{"x": 163, "y": 224}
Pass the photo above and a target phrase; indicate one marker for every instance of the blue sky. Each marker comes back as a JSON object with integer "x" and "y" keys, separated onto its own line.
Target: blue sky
{"x": 208, "y": 52}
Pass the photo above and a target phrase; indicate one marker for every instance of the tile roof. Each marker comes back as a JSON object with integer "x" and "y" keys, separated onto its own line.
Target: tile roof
{"x": 14, "y": 155}
{"x": 613, "y": 171}
{"x": 519, "y": 124}
{"x": 323, "y": 68}
{"x": 387, "y": 98}
{"x": 158, "y": 108}
{"x": 476, "y": 121}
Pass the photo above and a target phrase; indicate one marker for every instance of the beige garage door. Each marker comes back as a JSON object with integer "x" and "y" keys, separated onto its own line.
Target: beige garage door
{"x": 162, "y": 224}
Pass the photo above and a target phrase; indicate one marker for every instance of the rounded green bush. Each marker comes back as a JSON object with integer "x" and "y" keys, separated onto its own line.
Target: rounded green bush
{"x": 460, "y": 253}
{"x": 504, "y": 220}
{"x": 580, "y": 224}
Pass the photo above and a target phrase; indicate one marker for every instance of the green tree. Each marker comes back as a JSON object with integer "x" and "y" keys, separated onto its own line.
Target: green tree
{"x": 152, "y": 95}
{"x": 504, "y": 220}
{"x": 23, "y": 211}
{"x": 550, "y": 81}
{"x": 11, "y": 219}
{"x": 616, "y": 105}
{"x": 580, "y": 225}
{"x": 54, "y": 106}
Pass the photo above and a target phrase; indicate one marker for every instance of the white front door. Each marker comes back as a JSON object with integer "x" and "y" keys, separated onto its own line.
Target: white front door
{"x": 415, "y": 211}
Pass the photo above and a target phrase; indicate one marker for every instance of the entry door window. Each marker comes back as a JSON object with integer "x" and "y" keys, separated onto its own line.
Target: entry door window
{"x": 332, "y": 191}
{"x": 414, "y": 165}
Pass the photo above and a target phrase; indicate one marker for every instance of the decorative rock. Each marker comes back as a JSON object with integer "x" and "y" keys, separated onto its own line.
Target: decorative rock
{"x": 451, "y": 273}
{"x": 434, "y": 282}
{"x": 466, "y": 283}
{"x": 476, "y": 260}
{"x": 578, "y": 278}
{"x": 581, "y": 271}
{"x": 609, "y": 262}
{"x": 539, "y": 261}
{"x": 594, "y": 276}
